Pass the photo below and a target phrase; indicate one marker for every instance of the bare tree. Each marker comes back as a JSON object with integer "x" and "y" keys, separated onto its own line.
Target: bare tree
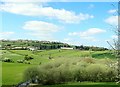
{"x": 116, "y": 43}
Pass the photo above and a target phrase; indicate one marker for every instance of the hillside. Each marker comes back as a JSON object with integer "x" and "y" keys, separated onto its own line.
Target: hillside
{"x": 43, "y": 45}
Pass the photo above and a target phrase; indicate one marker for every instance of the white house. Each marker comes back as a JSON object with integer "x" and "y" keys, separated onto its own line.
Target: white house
{"x": 67, "y": 48}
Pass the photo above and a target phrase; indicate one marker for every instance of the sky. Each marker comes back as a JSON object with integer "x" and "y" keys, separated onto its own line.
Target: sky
{"x": 75, "y": 23}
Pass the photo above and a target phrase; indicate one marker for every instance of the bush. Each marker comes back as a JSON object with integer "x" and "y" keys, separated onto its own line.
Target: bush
{"x": 71, "y": 70}
{"x": 31, "y": 74}
{"x": 28, "y": 57}
{"x": 7, "y": 60}
{"x": 96, "y": 72}
{"x": 20, "y": 61}
{"x": 27, "y": 62}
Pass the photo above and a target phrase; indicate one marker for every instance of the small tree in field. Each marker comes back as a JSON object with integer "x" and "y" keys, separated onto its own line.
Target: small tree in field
{"x": 28, "y": 57}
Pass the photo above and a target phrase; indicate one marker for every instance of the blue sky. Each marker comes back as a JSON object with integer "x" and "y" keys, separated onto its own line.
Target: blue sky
{"x": 78, "y": 23}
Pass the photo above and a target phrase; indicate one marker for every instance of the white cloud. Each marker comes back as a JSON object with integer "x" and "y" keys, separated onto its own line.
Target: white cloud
{"x": 41, "y": 29}
{"x": 6, "y": 35}
{"x": 89, "y": 32}
{"x": 41, "y": 26}
{"x": 112, "y": 20}
{"x": 14, "y": 1}
{"x": 33, "y": 9}
{"x": 114, "y": 37}
{"x": 112, "y": 11}
{"x": 90, "y": 38}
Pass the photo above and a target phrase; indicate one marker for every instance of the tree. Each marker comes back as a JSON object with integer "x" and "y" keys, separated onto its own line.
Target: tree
{"x": 116, "y": 46}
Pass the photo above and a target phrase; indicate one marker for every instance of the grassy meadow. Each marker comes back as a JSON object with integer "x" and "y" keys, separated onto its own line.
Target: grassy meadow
{"x": 12, "y": 73}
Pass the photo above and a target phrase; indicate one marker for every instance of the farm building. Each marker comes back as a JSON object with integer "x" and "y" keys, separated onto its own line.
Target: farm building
{"x": 18, "y": 48}
{"x": 32, "y": 48}
{"x": 67, "y": 48}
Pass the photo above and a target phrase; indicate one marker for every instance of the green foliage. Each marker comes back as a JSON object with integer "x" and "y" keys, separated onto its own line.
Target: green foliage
{"x": 31, "y": 73}
{"x": 28, "y": 57}
{"x": 72, "y": 70}
{"x": 7, "y": 60}
{"x": 20, "y": 61}
{"x": 100, "y": 73}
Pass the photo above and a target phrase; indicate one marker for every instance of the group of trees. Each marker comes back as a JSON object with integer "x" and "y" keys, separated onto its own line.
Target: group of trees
{"x": 92, "y": 48}
{"x": 40, "y": 45}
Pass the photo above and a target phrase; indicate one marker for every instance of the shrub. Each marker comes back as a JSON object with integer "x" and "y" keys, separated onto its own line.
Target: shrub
{"x": 28, "y": 57}
{"x": 27, "y": 62}
{"x": 70, "y": 70}
{"x": 100, "y": 72}
{"x": 7, "y": 60}
{"x": 20, "y": 61}
{"x": 31, "y": 74}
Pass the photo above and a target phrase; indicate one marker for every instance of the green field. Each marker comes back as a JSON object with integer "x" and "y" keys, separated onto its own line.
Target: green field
{"x": 12, "y": 73}
{"x": 83, "y": 84}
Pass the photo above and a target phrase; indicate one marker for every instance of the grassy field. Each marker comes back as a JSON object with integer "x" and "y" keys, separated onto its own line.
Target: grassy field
{"x": 43, "y": 56}
{"x": 12, "y": 73}
{"x": 84, "y": 84}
